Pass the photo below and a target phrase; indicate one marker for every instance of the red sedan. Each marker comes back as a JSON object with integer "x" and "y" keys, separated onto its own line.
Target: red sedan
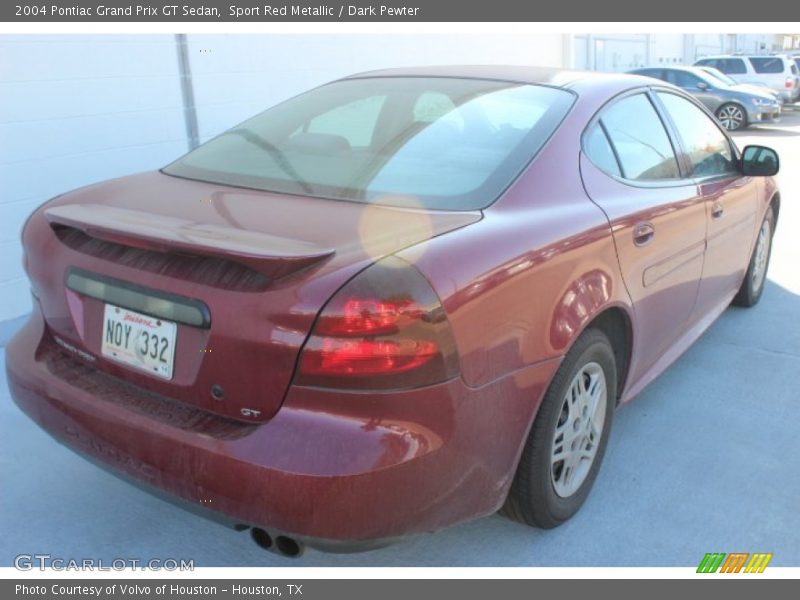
{"x": 399, "y": 301}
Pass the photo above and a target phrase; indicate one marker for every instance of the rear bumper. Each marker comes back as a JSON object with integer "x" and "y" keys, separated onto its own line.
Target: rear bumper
{"x": 335, "y": 470}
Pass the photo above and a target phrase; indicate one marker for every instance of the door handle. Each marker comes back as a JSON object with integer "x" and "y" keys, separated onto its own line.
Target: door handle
{"x": 643, "y": 233}
{"x": 717, "y": 211}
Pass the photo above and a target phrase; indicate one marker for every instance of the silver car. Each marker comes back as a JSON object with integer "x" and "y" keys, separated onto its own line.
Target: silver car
{"x": 735, "y": 106}
{"x": 758, "y": 88}
{"x": 777, "y": 71}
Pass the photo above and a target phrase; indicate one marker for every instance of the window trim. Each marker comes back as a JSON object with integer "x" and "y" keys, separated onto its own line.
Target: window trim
{"x": 682, "y": 181}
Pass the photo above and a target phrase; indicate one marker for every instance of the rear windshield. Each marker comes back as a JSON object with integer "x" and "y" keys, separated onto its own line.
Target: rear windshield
{"x": 443, "y": 143}
{"x": 767, "y": 64}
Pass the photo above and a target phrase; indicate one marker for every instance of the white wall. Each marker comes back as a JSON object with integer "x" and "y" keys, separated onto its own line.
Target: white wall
{"x": 75, "y": 110}
{"x": 621, "y": 52}
{"x": 611, "y": 52}
{"x": 754, "y": 43}
{"x": 79, "y": 109}
{"x": 745, "y": 43}
{"x": 667, "y": 49}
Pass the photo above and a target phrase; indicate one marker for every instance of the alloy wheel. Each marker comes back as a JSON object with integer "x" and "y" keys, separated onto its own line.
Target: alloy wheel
{"x": 761, "y": 255}
{"x": 731, "y": 117}
{"x": 579, "y": 430}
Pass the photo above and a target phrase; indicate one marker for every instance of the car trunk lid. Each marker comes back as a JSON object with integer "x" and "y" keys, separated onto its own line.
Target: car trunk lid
{"x": 262, "y": 265}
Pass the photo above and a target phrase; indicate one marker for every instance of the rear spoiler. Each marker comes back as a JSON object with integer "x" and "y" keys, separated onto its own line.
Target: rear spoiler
{"x": 271, "y": 255}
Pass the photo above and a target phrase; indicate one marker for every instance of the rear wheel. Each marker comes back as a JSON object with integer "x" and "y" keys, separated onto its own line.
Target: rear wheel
{"x": 753, "y": 285}
{"x": 568, "y": 439}
{"x": 732, "y": 117}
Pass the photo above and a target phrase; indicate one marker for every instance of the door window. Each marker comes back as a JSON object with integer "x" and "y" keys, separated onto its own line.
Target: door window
{"x": 707, "y": 147}
{"x": 640, "y": 140}
{"x": 683, "y": 79}
{"x": 732, "y": 66}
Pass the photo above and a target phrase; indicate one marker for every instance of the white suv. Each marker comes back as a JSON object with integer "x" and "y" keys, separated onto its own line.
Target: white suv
{"x": 777, "y": 72}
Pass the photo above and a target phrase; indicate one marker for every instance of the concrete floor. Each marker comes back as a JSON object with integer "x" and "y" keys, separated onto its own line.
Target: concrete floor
{"x": 707, "y": 459}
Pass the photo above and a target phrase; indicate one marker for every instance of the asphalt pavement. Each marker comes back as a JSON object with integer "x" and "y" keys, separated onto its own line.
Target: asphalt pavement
{"x": 706, "y": 459}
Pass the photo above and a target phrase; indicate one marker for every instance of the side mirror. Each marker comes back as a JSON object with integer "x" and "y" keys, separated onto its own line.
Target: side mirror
{"x": 702, "y": 85}
{"x": 759, "y": 161}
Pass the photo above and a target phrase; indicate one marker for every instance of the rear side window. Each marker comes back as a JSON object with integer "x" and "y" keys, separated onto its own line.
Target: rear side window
{"x": 683, "y": 79}
{"x": 794, "y": 66}
{"x": 706, "y": 146}
{"x": 599, "y": 151}
{"x": 767, "y": 64}
{"x": 638, "y": 136}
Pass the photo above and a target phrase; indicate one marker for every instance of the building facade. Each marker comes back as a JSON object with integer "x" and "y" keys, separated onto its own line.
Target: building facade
{"x": 608, "y": 52}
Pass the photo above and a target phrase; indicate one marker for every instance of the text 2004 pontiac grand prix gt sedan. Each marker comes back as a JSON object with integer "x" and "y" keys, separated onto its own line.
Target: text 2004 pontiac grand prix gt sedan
{"x": 396, "y": 302}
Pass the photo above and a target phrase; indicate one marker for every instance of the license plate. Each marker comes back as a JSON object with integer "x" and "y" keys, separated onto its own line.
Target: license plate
{"x": 138, "y": 340}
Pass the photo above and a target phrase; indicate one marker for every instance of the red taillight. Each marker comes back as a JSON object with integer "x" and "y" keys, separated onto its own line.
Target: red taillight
{"x": 789, "y": 82}
{"x": 384, "y": 329}
{"x": 366, "y": 316}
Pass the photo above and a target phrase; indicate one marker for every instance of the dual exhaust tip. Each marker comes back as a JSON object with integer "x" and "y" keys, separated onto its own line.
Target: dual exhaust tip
{"x": 279, "y": 544}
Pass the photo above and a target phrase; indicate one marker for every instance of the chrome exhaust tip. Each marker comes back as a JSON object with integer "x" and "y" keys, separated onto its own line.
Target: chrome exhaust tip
{"x": 281, "y": 544}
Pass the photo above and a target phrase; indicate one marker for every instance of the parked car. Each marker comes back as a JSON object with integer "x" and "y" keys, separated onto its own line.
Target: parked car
{"x": 735, "y": 107}
{"x": 399, "y": 301}
{"x": 756, "y": 88}
{"x": 795, "y": 56}
{"x": 776, "y": 71}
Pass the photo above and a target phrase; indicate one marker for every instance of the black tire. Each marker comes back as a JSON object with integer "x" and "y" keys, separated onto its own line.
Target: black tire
{"x": 753, "y": 287}
{"x": 533, "y": 499}
{"x": 732, "y": 116}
